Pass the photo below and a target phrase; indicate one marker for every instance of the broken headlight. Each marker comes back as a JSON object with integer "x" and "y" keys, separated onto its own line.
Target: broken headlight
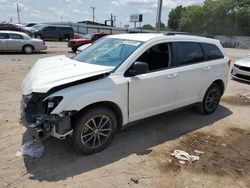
{"x": 52, "y": 103}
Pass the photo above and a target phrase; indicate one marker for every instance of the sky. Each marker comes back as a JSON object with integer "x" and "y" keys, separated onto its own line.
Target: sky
{"x": 80, "y": 10}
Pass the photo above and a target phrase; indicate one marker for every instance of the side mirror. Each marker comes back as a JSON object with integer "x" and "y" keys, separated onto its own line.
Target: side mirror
{"x": 139, "y": 68}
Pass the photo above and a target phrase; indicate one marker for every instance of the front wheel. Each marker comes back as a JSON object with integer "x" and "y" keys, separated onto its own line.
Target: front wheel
{"x": 94, "y": 130}
{"x": 211, "y": 99}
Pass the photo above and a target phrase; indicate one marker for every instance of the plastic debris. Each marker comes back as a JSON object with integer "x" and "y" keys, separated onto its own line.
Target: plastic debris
{"x": 182, "y": 162}
{"x": 184, "y": 156}
{"x": 198, "y": 152}
{"x": 33, "y": 149}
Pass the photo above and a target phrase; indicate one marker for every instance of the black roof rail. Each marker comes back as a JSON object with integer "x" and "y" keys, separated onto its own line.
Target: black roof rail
{"x": 190, "y": 34}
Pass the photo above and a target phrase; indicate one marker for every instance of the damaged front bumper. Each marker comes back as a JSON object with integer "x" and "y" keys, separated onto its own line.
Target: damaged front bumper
{"x": 40, "y": 123}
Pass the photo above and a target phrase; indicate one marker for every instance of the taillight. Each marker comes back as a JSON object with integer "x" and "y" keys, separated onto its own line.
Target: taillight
{"x": 230, "y": 62}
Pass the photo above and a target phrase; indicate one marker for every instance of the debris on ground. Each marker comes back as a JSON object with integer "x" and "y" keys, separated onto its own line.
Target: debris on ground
{"x": 134, "y": 180}
{"x": 33, "y": 149}
{"x": 198, "y": 152}
{"x": 184, "y": 156}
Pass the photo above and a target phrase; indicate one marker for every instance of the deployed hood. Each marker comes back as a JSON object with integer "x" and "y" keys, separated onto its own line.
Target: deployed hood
{"x": 243, "y": 62}
{"x": 51, "y": 72}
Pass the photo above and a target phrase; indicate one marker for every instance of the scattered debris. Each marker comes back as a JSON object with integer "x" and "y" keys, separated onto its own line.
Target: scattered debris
{"x": 182, "y": 162}
{"x": 198, "y": 152}
{"x": 134, "y": 179}
{"x": 184, "y": 156}
{"x": 223, "y": 144}
{"x": 33, "y": 149}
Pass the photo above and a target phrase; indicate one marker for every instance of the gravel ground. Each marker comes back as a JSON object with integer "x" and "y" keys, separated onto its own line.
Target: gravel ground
{"x": 140, "y": 155}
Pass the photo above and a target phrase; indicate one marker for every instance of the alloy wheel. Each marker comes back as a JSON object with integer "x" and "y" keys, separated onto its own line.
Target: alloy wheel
{"x": 96, "y": 131}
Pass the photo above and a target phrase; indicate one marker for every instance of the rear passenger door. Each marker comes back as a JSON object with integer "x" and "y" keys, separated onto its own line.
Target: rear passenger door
{"x": 3, "y": 41}
{"x": 192, "y": 71}
{"x": 50, "y": 32}
{"x": 15, "y": 42}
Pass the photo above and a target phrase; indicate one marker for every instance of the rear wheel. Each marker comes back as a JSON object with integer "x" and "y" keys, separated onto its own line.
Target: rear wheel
{"x": 94, "y": 130}
{"x": 211, "y": 99}
{"x": 74, "y": 50}
{"x": 28, "y": 49}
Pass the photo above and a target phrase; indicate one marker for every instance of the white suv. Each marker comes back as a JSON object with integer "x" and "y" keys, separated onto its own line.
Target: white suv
{"x": 120, "y": 79}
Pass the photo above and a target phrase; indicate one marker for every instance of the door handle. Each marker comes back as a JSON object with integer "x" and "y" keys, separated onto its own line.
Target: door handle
{"x": 207, "y": 68}
{"x": 172, "y": 76}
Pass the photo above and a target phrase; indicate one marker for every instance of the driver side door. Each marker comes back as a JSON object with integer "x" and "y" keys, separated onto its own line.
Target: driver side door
{"x": 153, "y": 92}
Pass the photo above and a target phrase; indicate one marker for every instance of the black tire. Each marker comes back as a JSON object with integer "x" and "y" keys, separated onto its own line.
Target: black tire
{"x": 211, "y": 99}
{"x": 28, "y": 49}
{"x": 74, "y": 50}
{"x": 94, "y": 130}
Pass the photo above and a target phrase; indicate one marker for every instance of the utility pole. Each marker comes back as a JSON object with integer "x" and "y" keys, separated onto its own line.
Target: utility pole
{"x": 158, "y": 16}
{"x": 114, "y": 20}
{"x": 93, "y": 9}
{"x": 18, "y": 12}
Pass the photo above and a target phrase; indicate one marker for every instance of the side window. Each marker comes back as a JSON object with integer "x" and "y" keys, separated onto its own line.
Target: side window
{"x": 15, "y": 36}
{"x": 49, "y": 29}
{"x": 211, "y": 51}
{"x": 4, "y": 36}
{"x": 188, "y": 53}
{"x": 157, "y": 57}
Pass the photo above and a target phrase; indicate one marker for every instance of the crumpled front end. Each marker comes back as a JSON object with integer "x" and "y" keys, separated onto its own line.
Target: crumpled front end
{"x": 36, "y": 116}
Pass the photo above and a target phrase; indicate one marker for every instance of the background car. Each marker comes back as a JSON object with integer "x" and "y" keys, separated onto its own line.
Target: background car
{"x": 15, "y": 27}
{"x": 241, "y": 69}
{"x": 53, "y": 32}
{"x": 88, "y": 38}
{"x": 17, "y": 41}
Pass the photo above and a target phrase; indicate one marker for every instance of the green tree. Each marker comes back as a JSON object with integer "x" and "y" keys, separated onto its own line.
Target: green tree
{"x": 174, "y": 17}
{"x": 147, "y": 26}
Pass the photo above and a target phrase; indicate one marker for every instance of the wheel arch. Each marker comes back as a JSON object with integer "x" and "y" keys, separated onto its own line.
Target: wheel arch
{"x": 27, "y": 45}
{"x": 108, "y": 104}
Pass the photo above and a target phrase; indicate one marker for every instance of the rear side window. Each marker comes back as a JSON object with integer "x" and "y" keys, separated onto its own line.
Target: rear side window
{"x": 4, "y": 36}
{"x": 188, "y": 53}
{"x": 50, "y": 28}
{"x": 211, "y": 51}
{"x": 15, "y": 36}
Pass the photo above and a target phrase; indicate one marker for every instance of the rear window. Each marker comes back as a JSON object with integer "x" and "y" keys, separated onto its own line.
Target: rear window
{"x": 211, "y": 51}
{"x": 188, "y": 53}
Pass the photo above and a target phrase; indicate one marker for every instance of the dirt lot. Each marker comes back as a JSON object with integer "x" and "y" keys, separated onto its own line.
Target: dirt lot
{"x": 141, "y": 151}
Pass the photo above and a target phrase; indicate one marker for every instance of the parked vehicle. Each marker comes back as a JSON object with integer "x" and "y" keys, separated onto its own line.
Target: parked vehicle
{"x": 54, "y": 32}
{"x": 13, "y": 41}
{"x": 118, "y": 80}
{"x": 14, "y": 27}
{"x": 241, "y": 69}
{"x": 83, "y": 47}
{"x": 88, "y": 38}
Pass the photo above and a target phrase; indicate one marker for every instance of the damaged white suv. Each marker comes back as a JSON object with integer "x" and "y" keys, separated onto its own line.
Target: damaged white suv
{"x": 120, "y": 79}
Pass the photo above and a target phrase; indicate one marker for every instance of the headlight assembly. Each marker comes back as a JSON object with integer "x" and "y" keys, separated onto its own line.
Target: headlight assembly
{"x": 52, "y": 103}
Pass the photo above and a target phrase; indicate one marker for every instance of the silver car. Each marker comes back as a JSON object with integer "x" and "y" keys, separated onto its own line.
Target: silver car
{"x": 11, "y": 41}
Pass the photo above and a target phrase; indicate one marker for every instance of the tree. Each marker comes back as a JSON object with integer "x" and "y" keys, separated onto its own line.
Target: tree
{"x": 147, "y": 26}
{"x": 174, "y": 17}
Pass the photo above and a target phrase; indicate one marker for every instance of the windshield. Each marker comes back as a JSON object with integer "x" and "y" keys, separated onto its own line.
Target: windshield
{"x": 88, "y": 36}
{"x": 38, "y": 27}
{"x": 108, "y": 52}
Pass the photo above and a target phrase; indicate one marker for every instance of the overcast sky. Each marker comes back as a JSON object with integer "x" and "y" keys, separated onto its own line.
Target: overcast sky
{"x": 79, "y": 10}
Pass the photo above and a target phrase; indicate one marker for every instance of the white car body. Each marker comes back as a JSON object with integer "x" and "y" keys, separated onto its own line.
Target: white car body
{"x": 241, "y": 69}
{"x": 135, "y": 97}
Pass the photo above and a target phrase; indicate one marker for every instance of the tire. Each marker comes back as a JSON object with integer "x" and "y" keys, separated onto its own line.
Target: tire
{"x": 39, "y": 37}
{"x": 211, "y": 99}
{"x": 28, "y": 49}
{"x": 74, "y": 50}
{"x": 94, "y": 130}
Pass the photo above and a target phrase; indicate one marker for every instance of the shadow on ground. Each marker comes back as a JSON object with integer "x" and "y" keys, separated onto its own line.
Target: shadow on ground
{"x": 60, "y": 161}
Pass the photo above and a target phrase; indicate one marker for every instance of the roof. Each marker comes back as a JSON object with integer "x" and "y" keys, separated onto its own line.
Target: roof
{"x": 144, "y": 37}
{"x": 14, "y": 32}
